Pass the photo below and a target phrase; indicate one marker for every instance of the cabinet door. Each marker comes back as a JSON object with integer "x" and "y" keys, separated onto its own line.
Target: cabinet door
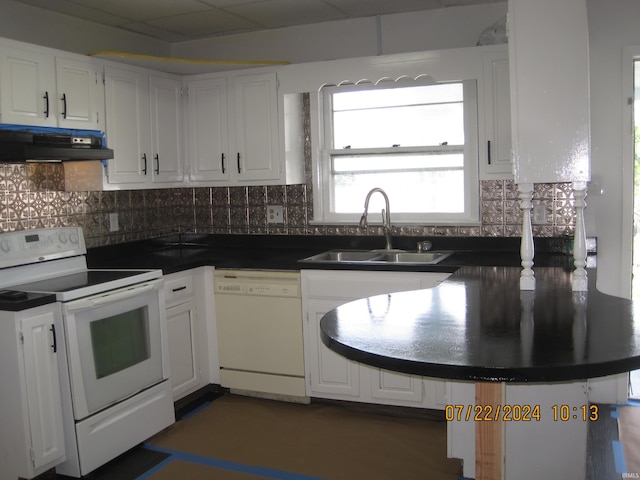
{"x": 331, "y": 375}
{"x": 27, "y": 87}
{"x": 387, "y": 385}
{"x": 165, "y": 96}
{"x": 43, "y": 388}
{"x": 128, "y": 131}
{"x": 80, "y": 94}
{"x": 207, "y": 123}
{"x": 181, "y": 336}
{"x": 256, "y": 127}
{"x": 497, "y": 149}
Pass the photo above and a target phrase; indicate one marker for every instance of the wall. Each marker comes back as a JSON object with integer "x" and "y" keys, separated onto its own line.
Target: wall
{"x": 408, "y": 32}
{"x": 613, "y": 25}
{"x": 34, "y": 25}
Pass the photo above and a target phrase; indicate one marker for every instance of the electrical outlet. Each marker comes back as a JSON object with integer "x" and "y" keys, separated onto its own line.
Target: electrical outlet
{"x": 113, "y": 222}
{"x": 275, "y": 214}
{"x": 539, "y": 214}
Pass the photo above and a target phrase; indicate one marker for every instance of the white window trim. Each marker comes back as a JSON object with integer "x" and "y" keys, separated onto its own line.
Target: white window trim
{"x": 321, "y": 170}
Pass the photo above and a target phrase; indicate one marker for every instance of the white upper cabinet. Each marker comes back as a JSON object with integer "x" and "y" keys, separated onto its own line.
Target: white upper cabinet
{"x": 128, "y": 132}
{"x": 495, "y": 152}
{"x": 167, "y": 126}
{"x": 144, "y": 128}
{"x": 41, "y": 88}
{"x": 549, "y": 74}
{"x": 207, "y": 130}
{"x": 233, "y": 129}
{"x": 80, "y": 94}
{"x": 256, "y": 127}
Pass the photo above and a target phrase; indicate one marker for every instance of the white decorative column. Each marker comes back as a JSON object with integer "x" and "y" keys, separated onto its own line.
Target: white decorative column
{"x": 527, "y": 278}
{"x": 550, "y": 102}
{"x": 580, "y": 281}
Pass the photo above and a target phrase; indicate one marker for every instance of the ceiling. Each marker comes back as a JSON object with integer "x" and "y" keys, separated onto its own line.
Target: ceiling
{"x": 181, "y": 20}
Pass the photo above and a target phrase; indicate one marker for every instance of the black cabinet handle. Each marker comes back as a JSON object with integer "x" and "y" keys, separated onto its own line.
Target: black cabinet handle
{"x": 238, "y": 162}
{"x": 64, "y": 105}
{"x": 144, "y": 157}
{"x": 55, "y": 340}
{"x": 46, "y": 104}
{"x": 489, "y": 152}
{"x": 222, "y": 161}
{"x": 157, "y": 158}
{"x": 184, "y": 287}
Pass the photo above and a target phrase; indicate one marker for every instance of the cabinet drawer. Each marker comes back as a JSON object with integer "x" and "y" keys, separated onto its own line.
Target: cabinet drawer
{"x": 177, "y": 289}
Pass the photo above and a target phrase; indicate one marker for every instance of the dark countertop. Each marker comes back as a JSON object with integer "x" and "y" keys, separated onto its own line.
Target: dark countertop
{"x": 32, "y": 300}
{"x": 178, "y": 252}
{"x": 478, "y": 325}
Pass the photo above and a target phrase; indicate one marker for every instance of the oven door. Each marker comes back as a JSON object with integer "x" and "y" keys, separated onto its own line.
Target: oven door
{"x": 114, "y": 345}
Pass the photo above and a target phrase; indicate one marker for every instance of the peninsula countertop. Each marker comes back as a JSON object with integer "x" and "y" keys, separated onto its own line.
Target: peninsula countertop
{"x": 478, "y": 325}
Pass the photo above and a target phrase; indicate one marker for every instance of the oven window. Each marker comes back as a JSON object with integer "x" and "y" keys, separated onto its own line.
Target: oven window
{"x": 120, "y": 341}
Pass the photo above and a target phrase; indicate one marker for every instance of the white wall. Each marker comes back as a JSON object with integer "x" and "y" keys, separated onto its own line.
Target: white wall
{"x": 411, "y": 32}
{"x": 34, "y": 25}
{"x": 613, "y": 24}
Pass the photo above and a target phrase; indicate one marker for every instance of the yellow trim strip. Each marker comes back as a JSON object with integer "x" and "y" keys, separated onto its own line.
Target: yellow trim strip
{"x": 188, "y": 60}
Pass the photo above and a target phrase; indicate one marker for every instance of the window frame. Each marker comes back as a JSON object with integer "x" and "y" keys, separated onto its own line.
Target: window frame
{"x": 322, "y": 163}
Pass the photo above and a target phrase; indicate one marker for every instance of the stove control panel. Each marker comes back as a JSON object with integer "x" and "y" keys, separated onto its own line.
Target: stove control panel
{"x": 38, "y": 245}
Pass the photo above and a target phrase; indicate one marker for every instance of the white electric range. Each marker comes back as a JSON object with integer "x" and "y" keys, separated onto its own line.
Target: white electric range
{"x": 114, "y": 374}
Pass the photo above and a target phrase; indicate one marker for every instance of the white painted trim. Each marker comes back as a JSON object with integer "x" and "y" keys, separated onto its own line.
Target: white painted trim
{"x": 629, "y": 54}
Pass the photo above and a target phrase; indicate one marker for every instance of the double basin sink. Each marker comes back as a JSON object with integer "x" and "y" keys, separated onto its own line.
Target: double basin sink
{"x": 378, "y": 257}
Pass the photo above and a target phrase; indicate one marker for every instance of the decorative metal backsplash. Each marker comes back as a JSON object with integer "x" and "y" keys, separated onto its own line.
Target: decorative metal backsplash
{"x": 31, "y": 197}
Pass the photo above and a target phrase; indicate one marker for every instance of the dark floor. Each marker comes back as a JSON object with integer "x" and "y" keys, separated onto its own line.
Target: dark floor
{"x": 601, "y": 464}
{"x": 137, "y": 461}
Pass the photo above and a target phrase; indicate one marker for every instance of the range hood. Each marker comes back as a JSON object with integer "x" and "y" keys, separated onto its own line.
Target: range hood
{"x": 52, "y": 145}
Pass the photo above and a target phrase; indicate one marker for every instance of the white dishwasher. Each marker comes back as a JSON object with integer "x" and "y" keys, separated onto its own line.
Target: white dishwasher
{"x": 259, "y": 322}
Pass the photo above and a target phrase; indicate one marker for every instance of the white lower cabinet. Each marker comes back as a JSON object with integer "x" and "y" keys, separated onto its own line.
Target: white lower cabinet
{"x": 31, "y": 356}
{"x": 330, "y": 375}
{"x": 187, "y": 331}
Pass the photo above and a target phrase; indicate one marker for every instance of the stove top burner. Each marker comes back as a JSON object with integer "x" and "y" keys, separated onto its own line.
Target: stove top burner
{"x": 75, "y": 281}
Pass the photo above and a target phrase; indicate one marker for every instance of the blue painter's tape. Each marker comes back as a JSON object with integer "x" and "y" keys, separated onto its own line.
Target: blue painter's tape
{"x": 196, "y": 410}
{"x": 53, "y": 130}
{"x": 618, "y": 457}
{"x": 232, "y": 466}
{"x": 156, "y": 468}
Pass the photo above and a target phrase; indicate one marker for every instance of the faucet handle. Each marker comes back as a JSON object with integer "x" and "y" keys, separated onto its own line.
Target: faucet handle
{"x": 423, "y": 246}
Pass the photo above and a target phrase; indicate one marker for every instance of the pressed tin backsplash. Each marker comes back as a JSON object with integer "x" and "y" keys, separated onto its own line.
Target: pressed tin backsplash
{"x": 31, "y": 197}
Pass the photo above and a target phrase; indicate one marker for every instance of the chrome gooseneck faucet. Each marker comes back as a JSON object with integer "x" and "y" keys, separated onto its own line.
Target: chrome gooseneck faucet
{"x": 386, "y": 216}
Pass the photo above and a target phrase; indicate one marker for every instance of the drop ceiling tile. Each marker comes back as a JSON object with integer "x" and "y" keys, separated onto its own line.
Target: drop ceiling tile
{"x": 230, "y": 3}
{"x": 280, "y": 13}
{"x": 141, "y": 10}
{"x": 367, "y": 8}
{"x": 459, "y": 3}
{"x": 155, "y": 32}
{"x": 77, "y": 10}
{"x": 207, "y": 23}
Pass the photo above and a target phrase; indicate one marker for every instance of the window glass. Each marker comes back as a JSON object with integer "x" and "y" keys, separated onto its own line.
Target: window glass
{"x": 407, "y": 117}
{"x": 417, "y": 142}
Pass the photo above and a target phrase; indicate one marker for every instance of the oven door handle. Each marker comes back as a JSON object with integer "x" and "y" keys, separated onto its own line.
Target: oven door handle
{"x": 111, "y": 297}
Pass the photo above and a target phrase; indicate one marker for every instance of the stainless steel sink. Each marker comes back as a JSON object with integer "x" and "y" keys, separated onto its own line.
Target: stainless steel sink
{"x": 378, "y": 257}
{"x": 425, "y": 258}
{"x": 344, "y": 256}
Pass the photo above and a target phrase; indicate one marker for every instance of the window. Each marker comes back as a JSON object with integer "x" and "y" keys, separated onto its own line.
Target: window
{"x": 417, "y": 141}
